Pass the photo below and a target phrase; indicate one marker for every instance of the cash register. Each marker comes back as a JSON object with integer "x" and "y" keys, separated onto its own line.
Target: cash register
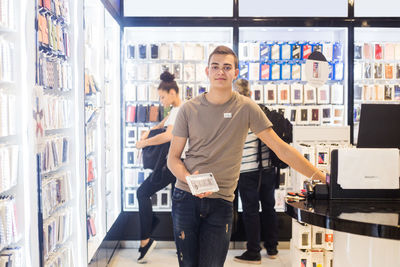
{"x": 372, "y": 169}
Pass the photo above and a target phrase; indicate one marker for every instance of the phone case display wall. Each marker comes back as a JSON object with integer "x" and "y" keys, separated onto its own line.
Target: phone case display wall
{"x": 315, "y": 143}
{"x": 311, "y": 245}
{"x": 376, "y": 68}
{"x": 11, "y": 241}
{"x": 273, "y": 60}
{"x": 147, "y": 53}
{"x": 95, "y": 124}
{"x": 53, "y": 106}
{"x": 112, "y": 119}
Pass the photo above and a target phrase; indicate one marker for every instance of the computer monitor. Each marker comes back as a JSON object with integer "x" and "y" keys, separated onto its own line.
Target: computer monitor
{"x": 379, "y": 126}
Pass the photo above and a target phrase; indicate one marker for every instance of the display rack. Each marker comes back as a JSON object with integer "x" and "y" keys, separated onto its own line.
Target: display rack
{"x": 273, "y": 59}
{"x": 53, "y": 110}
{"x": 147, "y": 53}
{"x": 309, "y": 243}
{"x": 315, "y": 144}
{"x": 112, "y": 119}
{"x": 376, "y": 68}
{"x": 95, "y": 125}
{"x": 13, "y": 242}
{"x": 57, "y": 132}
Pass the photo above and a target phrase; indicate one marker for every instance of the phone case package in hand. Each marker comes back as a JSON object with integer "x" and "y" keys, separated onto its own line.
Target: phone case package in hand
{"x": 201, "y": 183}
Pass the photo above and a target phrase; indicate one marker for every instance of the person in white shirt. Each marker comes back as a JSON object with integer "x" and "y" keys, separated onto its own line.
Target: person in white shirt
{"x": 169, "y": 96}
{"x": 256, "y": 185}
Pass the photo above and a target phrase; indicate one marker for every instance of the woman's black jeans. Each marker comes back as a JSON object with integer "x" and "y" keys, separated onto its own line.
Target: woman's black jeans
{"x": 157, "y": 180}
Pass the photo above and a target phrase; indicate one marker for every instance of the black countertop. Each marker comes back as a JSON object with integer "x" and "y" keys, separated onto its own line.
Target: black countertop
{"x": 363, "y": 217}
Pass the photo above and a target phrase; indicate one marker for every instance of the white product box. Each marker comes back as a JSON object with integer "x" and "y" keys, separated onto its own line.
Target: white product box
{"x": 329, "y": 239}
{"x": 257, "y": 93}
{"x": 280, "y": 199}
{"x": 318, "y": 237}
{"x": 328, "y": 258}
{"x": 130, "y": 199}
{"x": 301, "y": 235}
{"x": 300, "y": 258}
{"x": 317, "y": 258}
{"x": 164, "y": 199}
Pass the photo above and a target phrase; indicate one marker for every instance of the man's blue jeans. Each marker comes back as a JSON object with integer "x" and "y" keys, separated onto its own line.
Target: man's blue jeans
{"x": 202, "y": 229}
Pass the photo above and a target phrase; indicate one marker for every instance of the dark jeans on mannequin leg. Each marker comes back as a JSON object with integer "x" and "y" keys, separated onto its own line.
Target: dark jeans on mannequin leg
{"x": 251, "y": 192}
{"x": 202, "y": 229}
{"x": 157, "y": 180}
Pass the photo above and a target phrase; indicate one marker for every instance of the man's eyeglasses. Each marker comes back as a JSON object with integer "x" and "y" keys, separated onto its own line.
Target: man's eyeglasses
{"x": 225, "y": 68}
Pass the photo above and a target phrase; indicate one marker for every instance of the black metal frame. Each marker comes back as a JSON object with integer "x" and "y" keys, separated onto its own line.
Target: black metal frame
{"x": 235, "y": 22}
{"x": 40, "y": 211}
{"x": 116, "y": 14}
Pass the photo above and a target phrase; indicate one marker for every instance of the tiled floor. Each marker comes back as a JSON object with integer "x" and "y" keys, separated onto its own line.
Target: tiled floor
{"x": 167, "y": 257}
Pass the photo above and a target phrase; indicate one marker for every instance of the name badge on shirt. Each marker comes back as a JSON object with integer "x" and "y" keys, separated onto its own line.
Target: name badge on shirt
{"x": 227, "y": 115}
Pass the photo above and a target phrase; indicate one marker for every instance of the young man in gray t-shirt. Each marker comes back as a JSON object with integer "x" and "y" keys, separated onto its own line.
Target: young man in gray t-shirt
{"x": 216, "y": 125}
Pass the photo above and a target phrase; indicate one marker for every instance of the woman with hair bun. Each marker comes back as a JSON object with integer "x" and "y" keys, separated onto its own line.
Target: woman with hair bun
{"x": 169, "y": 96}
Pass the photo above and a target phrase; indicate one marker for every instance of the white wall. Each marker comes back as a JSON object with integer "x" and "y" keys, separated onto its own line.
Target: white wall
{"x": 293, "y": 8}
{"x": 178, "y": 8}
{"x": 373, "y": 8}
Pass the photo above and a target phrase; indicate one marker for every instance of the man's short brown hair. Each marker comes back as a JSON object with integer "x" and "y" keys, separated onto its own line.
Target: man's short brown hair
{"x": 224, "y": 50}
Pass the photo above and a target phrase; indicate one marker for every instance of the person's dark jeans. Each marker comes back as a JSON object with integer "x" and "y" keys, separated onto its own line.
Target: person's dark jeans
{"x": 157, "y": 180}
{"x": 251, "y": 192}
{"x": 202, "y": 229}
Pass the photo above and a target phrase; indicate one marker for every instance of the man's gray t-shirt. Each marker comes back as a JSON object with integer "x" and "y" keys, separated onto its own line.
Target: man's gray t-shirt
{"x": 216, "y": 136}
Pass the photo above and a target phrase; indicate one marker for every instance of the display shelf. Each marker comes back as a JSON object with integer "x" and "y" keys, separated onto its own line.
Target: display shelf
{"x": 15, "y": 239}
{"x": 376, "y": 69}
{"x": 147, "y": 53}
{"x": 7, "y": 83}
{"x": 102, "y": 98}
{"x": 8, "y": 139}
{"x": 112, "y": 88}
{"x": 93, "y": 245}
{"x": 315, "y": 143}
{"x": 57, "y": 136}
{"x": 273, "y": 60}
{"x": 7, "y": 30}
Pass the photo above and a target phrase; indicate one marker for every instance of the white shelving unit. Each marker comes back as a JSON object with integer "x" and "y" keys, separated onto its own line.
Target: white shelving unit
{"x": 273, "y": 59}
{"x": 13, "y": 140}
{"x": 147, "y": 53}
{"x": 112, "y": 119}
{"x": 56, "y": 97}
{"x": 94, "y": 124}
{"x": 376, "y": 68}
{"x": 315, "y": 144}
{"x": 102, "y": 122}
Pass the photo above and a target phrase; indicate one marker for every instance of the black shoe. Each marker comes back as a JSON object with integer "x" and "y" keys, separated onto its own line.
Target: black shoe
{"x": 272, "y": 253}
{"x": 249, "y": 257}
{"x": 146, "y": 250}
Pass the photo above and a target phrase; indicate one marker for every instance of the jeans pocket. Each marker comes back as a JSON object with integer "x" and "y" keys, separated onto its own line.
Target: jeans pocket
{"x": 178, "y": 194}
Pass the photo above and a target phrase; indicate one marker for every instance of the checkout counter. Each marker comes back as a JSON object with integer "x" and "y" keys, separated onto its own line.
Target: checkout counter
{"x": 366, "y": 232}
{"x": 361, "y": 206}
{"x": 362, "y": 197}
